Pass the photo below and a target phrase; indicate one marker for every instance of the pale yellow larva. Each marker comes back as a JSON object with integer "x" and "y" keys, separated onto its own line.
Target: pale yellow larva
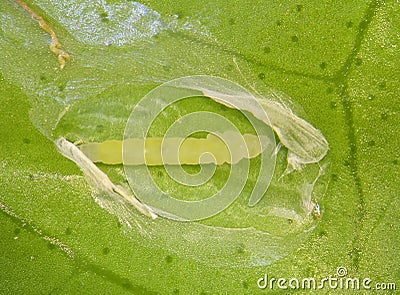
{"x": 159, "y": 151}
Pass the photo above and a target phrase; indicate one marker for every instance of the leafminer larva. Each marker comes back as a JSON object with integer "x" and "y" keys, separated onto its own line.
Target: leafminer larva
{"x": 160, "y": 151}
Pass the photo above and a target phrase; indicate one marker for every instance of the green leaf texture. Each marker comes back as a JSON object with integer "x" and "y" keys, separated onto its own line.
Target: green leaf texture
{"x": 338, "y": 61}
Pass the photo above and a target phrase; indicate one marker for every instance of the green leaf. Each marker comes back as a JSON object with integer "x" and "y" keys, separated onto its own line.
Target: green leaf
{"x": 339, "y": 62}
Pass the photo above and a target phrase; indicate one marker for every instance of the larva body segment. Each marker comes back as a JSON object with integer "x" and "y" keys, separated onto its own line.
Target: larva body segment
{"x": 105, "y": 152}
{"x": 177, "y": 151}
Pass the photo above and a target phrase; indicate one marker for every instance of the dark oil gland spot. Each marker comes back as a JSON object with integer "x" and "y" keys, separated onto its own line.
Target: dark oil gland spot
{"x": 168, "y": 259}
{"x": 329, "y": 90}
{"x": 349, "y": 24}
{"x": 267, "y": 49}
{"x": 358, "y": 61}
{"x": 51, "y": 246}
{"x": 323, "y": 65}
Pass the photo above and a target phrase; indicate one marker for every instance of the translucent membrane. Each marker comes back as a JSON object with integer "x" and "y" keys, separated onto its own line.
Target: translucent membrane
{"x": 111, "y": 68}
